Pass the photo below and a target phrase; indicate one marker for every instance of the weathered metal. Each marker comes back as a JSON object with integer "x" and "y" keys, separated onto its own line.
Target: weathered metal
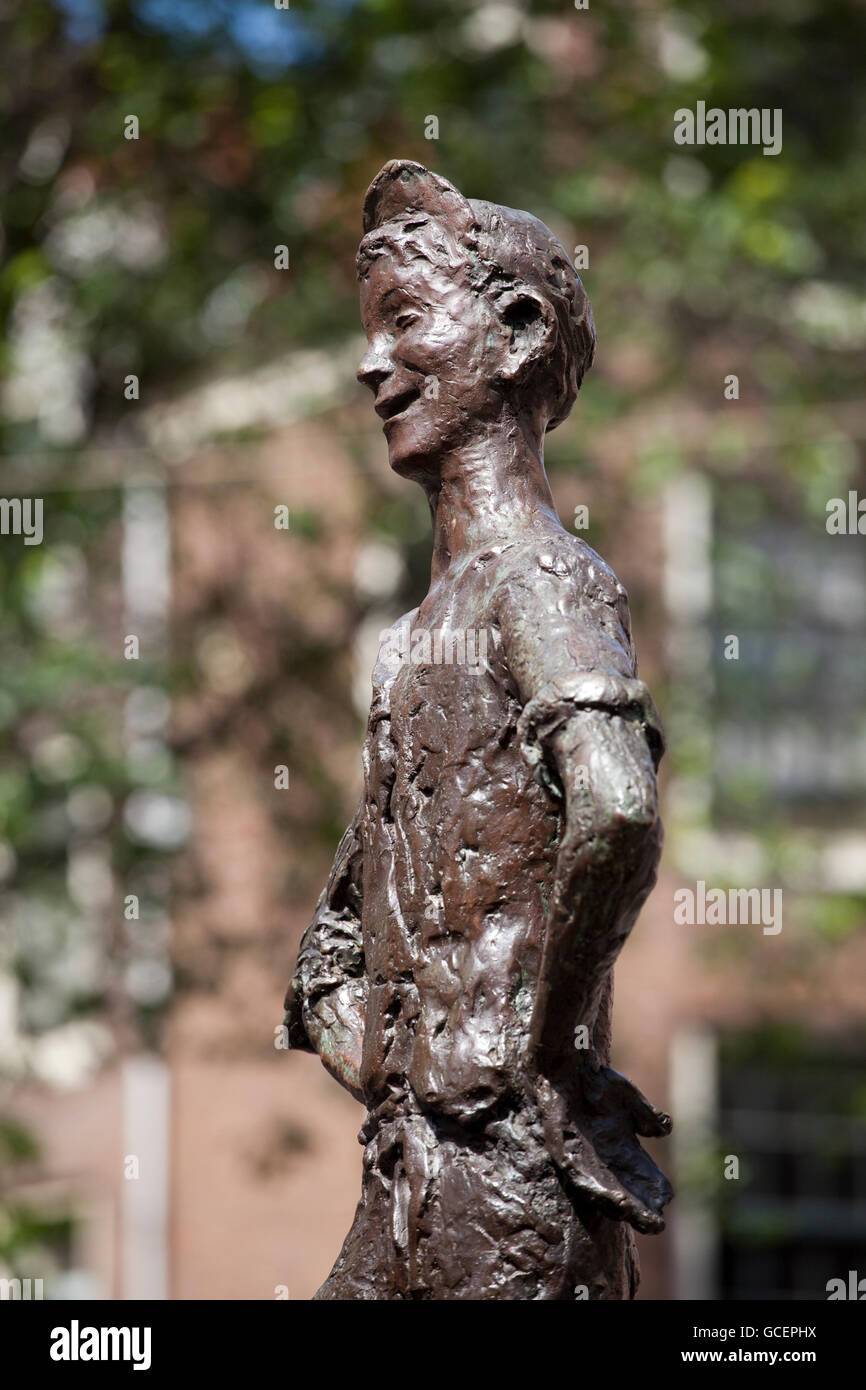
{"x": 457, "y": 974}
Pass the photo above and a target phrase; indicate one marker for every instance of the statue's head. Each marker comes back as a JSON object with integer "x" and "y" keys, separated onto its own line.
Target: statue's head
{"x": 472, "y": 312}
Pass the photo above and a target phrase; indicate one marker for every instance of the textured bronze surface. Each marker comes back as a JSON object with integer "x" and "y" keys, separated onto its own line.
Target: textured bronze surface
{"x": 457, "y": 974}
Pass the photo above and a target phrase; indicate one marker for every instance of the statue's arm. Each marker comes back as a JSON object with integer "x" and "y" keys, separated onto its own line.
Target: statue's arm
{"x": 610, "y": 841}
{"x": 325, "y": 1004}
{"x": 593, "y": 734}
{"x": 602, "y": 761}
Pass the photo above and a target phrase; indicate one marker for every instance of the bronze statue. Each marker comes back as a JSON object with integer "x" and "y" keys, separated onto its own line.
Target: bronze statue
{"x": 457, "y": 974}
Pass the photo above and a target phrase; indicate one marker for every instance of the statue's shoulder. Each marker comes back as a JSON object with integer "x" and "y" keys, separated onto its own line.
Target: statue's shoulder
{"x": 392, "y": 649}
{"x": 561, "y": 568}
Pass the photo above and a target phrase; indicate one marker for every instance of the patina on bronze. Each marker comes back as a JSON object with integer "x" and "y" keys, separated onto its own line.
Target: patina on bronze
{"x": 457, "y": 974}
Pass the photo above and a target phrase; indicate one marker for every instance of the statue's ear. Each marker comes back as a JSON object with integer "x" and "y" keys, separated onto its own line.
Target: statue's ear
{"x": 530, "y": 324}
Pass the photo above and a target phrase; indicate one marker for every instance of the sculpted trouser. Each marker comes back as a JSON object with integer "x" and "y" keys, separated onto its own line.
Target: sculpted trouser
{"x": 446, "y": 1213}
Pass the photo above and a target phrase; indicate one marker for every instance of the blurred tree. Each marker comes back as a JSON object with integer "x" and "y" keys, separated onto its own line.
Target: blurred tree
{"x": 156, "y": 153}
{"x": 259, "y": 127}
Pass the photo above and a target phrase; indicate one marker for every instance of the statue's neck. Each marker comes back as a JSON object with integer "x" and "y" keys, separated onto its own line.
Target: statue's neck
{"x": 489, "y": 491}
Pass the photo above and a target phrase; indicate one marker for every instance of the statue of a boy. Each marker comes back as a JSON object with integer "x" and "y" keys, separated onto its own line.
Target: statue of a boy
{"x": 457, "y": 974}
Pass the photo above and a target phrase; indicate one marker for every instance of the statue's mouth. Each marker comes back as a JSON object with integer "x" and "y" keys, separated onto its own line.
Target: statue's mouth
{"x": 395, "y": 405}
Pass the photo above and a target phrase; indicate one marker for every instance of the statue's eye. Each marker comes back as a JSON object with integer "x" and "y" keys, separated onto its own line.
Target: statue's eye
{"x": 404, "y": 319}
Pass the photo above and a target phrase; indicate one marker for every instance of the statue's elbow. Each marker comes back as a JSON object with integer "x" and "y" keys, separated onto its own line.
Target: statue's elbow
{"x": 628, "y": 819}
{"x": 297, "y": 1039}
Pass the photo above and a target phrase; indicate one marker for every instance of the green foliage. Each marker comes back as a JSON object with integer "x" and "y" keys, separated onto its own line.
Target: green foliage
{"x": 261, "y": 127}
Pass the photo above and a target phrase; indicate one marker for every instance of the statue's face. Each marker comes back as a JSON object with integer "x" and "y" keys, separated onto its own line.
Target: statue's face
{"x": 434, "y": 350}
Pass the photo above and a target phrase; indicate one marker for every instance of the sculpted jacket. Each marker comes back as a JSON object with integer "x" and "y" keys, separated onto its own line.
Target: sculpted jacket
{"x": 446, "y": 969}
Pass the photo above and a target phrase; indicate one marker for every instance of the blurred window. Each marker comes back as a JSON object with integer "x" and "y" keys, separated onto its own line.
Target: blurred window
{"x": 794, "y": 1111}
{"x": 790, "y": 708}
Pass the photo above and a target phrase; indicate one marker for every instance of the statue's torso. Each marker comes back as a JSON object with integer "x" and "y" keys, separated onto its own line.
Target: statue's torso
{"x": 458, "y": 847}
{"x": 459, "y": 843}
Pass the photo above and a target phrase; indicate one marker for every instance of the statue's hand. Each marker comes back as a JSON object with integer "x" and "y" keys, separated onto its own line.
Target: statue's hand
{"x": 610, "y": 1093}
{"x": 591, "y": 1119}
{"x": 335, "y": 1026}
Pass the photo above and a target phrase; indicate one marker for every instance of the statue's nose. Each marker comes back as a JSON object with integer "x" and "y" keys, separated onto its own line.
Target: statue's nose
{"x": 373, "y": 368}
